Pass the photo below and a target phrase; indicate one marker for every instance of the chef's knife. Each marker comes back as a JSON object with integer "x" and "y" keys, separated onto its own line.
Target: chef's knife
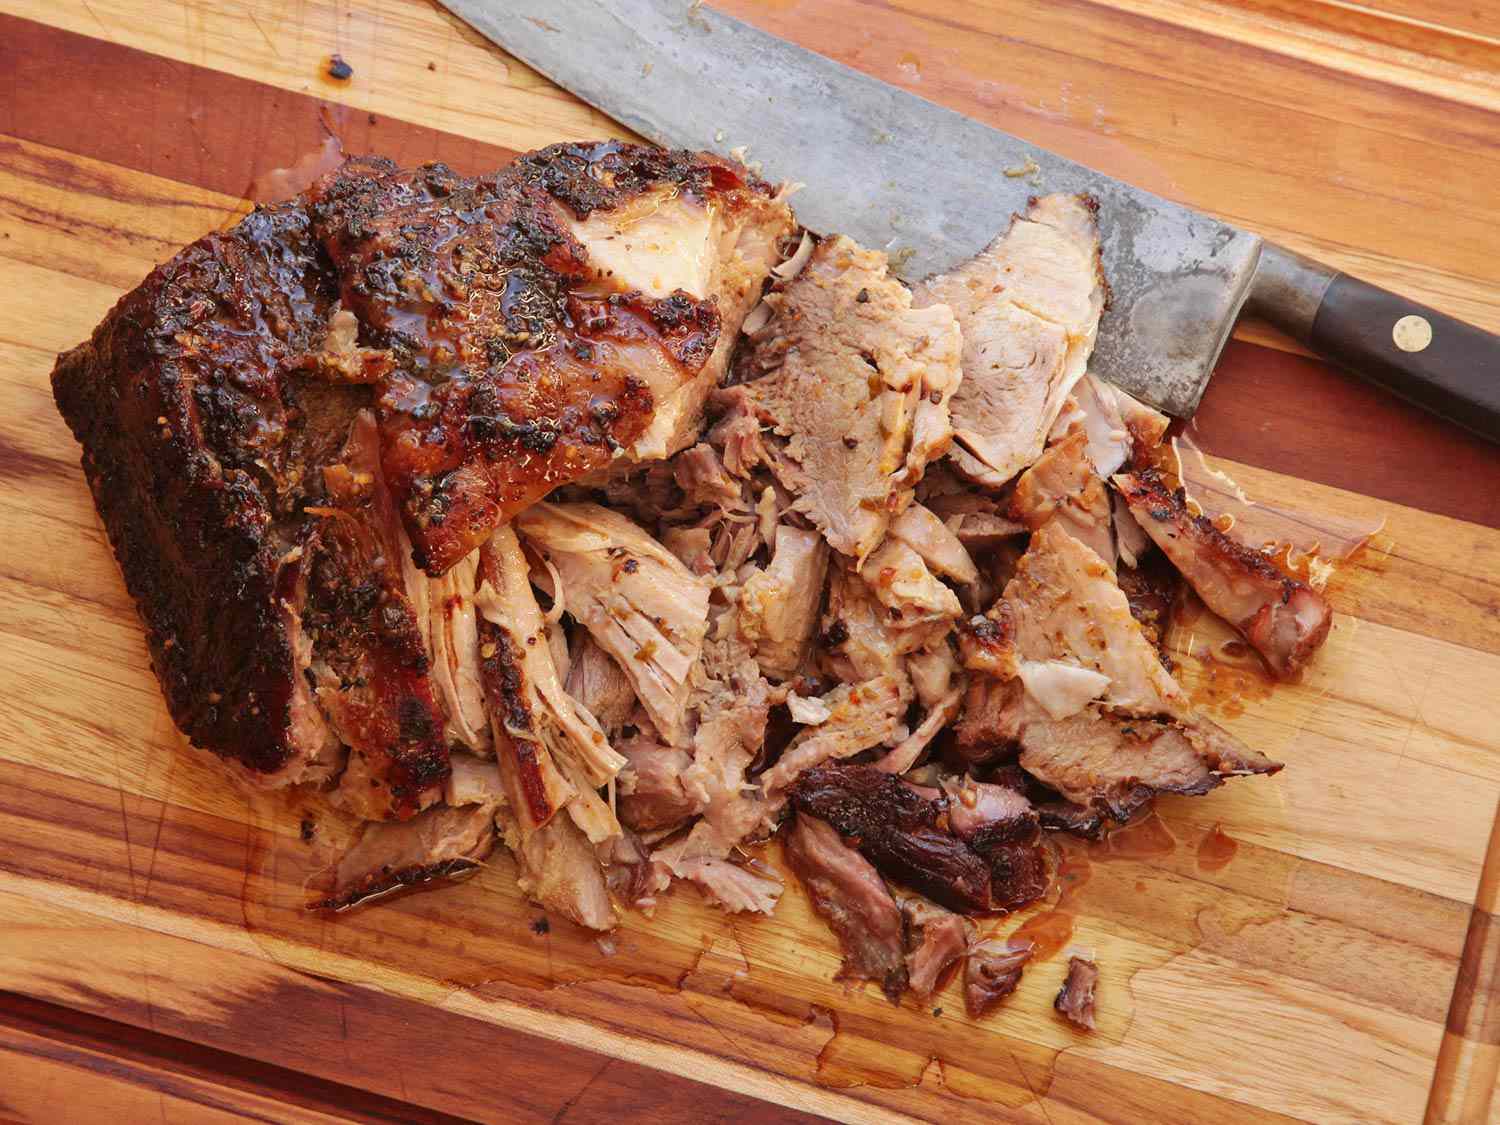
{"x": 933, "y": 188}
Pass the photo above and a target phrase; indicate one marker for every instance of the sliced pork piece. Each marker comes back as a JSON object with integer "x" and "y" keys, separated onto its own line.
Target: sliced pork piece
{"x": 856, "y": 383}
{"x": 552, "y": 752}
{"x": 453, "y": 634}
{"x": 633, "y": 595}
{"x": 847, "y": 891}
{"x": 921, "y": 530}
{"x": 651, "y": 794}
{"x": 1029, "y": 309}
{"x": 369, "y": 658}
{"x": 1075, "y": 1000}
{"x": 935, "y": 940}
{"x": 1064, "y": 485}
{"x": 992, "y": 972}
{"x": 1284, "y": 618}
{"x": 1115, "y": 763}
{"x": 778, "y": 606}
{"x": 861, "y": 716}
{"x": 1067, "y": 606}
{"x": 902, "y": 832}
{"x": 440, "y": 843}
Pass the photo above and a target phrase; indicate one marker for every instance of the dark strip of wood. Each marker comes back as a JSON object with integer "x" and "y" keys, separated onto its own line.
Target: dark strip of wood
{"x": 189, "y": 123}
{"x": 195, "y": 125}
{"x": 70, "y": 1033}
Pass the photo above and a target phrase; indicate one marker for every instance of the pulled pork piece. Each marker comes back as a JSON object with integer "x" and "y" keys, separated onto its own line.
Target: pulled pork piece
{"x": 992, "y": 972}
{"x": 899, "y": 578}
{"x": 1063, "y": 485}
{"x": 860, "y": 716}
{"x": 1068, "y": 606}
{"x": 633, "y": 595}
{"x": 1029, "y": 309}
{"x": 551, "y": 752}
{"x": 1284, "y": 618}
{"x": 935, "y": 940}
{"x": 1116, "y": 763}
{"x": 1075, "y": 999}
{"x": 557, "y": 867}
{"x": 921, "y": 530}
{"x": 991, "y": 719}
{"x": 987, "y": 644}
{"x": 906, "y": 753}
{"x": 850, "y": 894}
{"x": 861, "y": 639}
{"x": 778, "y": 606}
{"x": 1059, "y": 688}
{"x": 453, "y": 641}
{"x": 1118, "y": 428}
{"x": 369, "y": 660}
{"x": 1064, "y": 816}
{"x": 599, "y": 684}
{"x": 474, "y": 781}
{"x": 439, "y": 843}
{"x": 651, "y": 794}
{"x": 908, "y": 836}
{"x": 856, "y": 381}
{"x": 739, "y": 888}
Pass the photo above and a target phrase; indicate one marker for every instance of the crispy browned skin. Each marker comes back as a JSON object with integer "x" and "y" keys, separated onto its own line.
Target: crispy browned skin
{"x": 513, "y": 367}
{"x": 198, "y": 447}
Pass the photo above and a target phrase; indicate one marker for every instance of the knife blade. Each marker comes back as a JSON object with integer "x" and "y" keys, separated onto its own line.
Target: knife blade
{"x": 932, "y": 188}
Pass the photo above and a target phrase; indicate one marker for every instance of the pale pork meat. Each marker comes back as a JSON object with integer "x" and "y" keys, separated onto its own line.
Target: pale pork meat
{"x": 856, "y": 383}
{"x": 1284, "y": 618}
{"x": 1063, "y": 485}
{"x": 635, "y": 597}
{"x": 440, "y": 843}
{"x": 778, "y": 606}
{"x": 941, "y": 549}
{"x": 1029, "y": 309}
{"x": 651, "y": 794}
{"x": 453, "y": 643}
{"x": 599, "y": 683}
{"x": 861, "y": 716}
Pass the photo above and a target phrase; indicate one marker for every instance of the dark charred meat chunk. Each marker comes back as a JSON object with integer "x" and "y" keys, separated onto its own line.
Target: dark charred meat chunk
{"x": 196, "y": 446}
{"x": 849, "y": 893}
{"x": 909, "y": 837}
{"x": 1075, "y": 999}
{"x": 991, "y": 973}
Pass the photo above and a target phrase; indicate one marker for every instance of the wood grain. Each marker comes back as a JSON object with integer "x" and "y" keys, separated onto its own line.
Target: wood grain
{"x": 1340, "y": 968}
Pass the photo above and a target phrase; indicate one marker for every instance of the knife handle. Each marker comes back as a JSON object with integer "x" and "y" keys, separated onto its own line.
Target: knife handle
{"x": 1428, "y": 358}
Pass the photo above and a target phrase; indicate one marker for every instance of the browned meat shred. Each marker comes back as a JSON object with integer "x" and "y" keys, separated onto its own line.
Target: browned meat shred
{"x": 849, "y": 893}
{"x": 1075, "y": 1000}
{"x": 992, "y": 971}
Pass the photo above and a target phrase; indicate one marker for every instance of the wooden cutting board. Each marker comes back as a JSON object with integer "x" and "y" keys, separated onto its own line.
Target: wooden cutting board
{"x": 1317, "y": 946}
